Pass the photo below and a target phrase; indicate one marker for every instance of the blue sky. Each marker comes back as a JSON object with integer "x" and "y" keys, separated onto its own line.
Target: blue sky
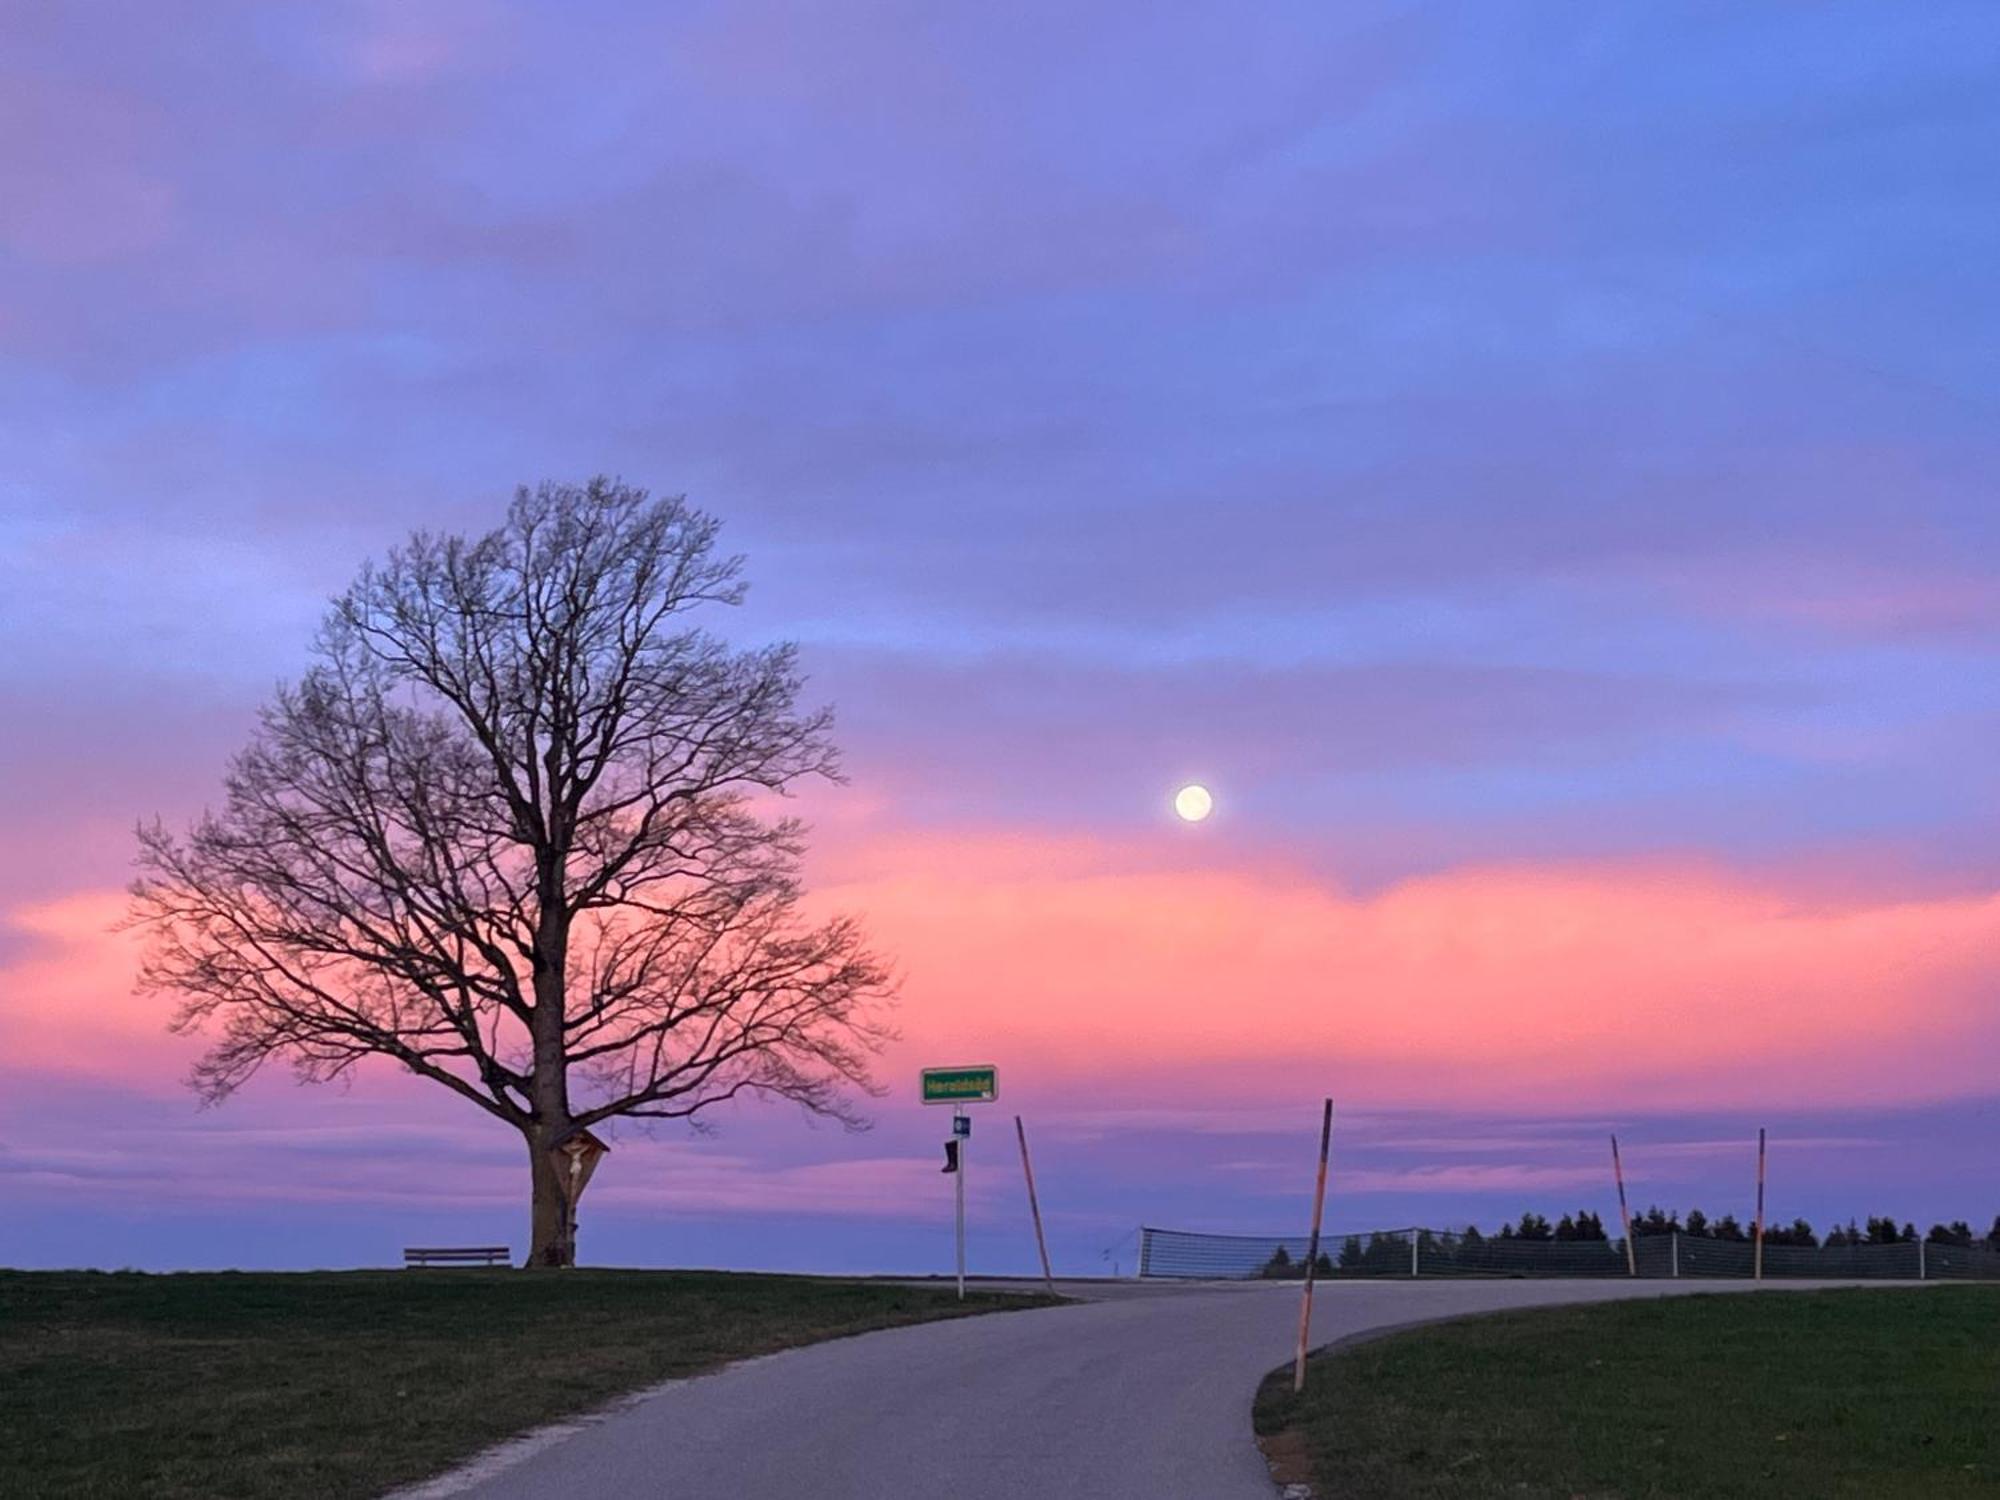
{"x": 1492, "y": 445}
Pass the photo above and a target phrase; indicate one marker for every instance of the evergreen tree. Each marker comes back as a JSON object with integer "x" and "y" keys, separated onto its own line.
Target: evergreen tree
{"x": 1697, "y": 1224}
{"x": 1798, "y": 1232}
{"x": 1655, "y": 1220}
{"x": 1386, "y": 1253}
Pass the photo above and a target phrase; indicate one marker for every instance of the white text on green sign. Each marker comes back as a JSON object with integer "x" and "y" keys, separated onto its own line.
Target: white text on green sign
{"x": 961, "y": 1085}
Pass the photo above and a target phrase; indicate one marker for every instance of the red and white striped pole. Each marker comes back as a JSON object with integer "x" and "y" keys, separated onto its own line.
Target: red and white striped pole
{"x": 1312, "y": 1253}
{"x": 1034, "y": 1205}
{"x": 1624, "y": 1214}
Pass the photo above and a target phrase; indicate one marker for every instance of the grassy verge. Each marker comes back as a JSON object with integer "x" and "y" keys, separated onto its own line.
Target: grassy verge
{"x": 1877, "y": 1393}
{"x": 241, "y": 1386}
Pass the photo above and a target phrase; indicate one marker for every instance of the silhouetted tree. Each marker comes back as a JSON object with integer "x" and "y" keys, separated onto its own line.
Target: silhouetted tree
{"x": 1533, "y": 1227}
{"x": 1993, "y": 1234}
{"x": 1726, "y": 1228}
{"x": 1798, "y": 1232}
{"x": 1958, "y": 1233}
{"x": 1385, "y": 1253}
{"x": 1655, "y": 1220}
{"x": 1697, "y": 1224}
{"x": 1350, "y": 1253}
{"x": 508, "y": 833}
{"x": 1280, "y": 1266}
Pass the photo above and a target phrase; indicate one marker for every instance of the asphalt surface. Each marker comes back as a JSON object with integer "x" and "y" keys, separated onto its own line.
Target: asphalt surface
{"x": 1138, "y": 1393}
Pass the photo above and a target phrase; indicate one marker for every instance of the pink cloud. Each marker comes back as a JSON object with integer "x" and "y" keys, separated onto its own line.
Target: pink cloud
{"x": 77, "y": 168}
{"x": 1122, "y": 978}
{"x": 71, "y": 1008}
{"x": 1596, "y": 986}
{"x": 1459, "y": 1177}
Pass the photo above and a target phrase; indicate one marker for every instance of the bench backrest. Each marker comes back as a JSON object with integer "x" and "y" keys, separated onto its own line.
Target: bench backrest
{"x": 449, "y": 1255}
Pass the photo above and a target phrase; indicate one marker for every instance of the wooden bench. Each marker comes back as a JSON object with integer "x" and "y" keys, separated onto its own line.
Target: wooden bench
{"x": 462, "y": 1255}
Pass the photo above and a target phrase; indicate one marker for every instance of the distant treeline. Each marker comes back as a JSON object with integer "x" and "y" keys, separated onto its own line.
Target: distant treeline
{"x": 1391, "y": 1252}
{"x": 1875, "y": 1231}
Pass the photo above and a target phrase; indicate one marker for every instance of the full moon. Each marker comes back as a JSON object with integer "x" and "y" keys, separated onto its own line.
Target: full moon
{"x": 1193, "y": 803}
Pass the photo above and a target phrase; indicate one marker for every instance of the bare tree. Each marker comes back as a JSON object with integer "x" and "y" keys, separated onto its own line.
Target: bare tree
{"x": 511, "y": 830}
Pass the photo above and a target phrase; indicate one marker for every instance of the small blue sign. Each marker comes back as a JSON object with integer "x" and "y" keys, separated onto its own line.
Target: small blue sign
{"x": 961, "y": 1125}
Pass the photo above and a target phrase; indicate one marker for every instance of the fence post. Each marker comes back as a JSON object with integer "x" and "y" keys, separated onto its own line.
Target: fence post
{"x": 1758, "y": 1271}
{"x": 1674, "y": 1248}
{"x": 1920, "y": 1262}
{"x": 1413, "y": 1254}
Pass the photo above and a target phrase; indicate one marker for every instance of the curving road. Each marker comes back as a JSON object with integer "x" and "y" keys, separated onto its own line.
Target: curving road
{"x": 1139, "y": 1392}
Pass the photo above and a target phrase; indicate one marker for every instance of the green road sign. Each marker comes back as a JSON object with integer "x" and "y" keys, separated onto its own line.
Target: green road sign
{"x": 961, "y": 1085}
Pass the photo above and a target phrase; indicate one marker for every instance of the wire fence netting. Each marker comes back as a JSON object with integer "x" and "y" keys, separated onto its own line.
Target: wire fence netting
{"x": 1184, "y": 1254}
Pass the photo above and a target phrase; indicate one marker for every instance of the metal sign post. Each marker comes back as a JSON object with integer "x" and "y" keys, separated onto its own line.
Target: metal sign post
{"x": 961, "y": 1130}
{"x": 959, "y": 1087}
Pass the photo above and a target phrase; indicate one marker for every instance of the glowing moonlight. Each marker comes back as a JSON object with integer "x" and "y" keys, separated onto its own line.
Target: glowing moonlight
{"x": 1193, "y": 803}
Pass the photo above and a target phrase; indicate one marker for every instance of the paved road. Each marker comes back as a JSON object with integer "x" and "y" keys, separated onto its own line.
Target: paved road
{"x": 1141, "y": 1393}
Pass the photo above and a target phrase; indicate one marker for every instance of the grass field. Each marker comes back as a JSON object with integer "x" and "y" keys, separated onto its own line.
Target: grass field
{"x": 329, "y": 1385}
{"x": 1840, "y": 1393}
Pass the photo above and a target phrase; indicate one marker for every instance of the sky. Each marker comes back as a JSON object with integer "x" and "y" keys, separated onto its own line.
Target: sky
{"x": 1535, "y": 463}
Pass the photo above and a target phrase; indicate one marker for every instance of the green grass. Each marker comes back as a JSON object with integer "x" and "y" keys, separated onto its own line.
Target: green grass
{"x": 1876, "y": 1393}
{"x": 239, "y": 1386}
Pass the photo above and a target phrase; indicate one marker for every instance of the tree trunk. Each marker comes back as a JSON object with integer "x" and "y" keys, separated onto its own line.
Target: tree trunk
{"x": 554, "y": 1227}
{"x": 553, "y": 1240}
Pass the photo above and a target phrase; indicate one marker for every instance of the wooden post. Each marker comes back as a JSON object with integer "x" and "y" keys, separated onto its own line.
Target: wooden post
{"x": 1758, "y": 1271}
{"x": 1034, "y": 1205}
{"x": 1312, "y": 1252}
{"x": 1624, "y": 1214}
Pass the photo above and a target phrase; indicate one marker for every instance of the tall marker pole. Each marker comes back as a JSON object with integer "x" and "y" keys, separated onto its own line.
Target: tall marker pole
{"x": 1312, "y": 1254}
{"x": 1034, "y": 1205}
{"x": 1624, "y": 1213}
{"x": 964, "y": 1139}
{"x": 1758, "y": 1273}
